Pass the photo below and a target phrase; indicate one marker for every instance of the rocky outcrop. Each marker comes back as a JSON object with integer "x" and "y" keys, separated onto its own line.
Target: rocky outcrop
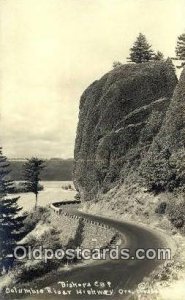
{"x": 163, "y": 168}
{"x": 172, "y": 133}
{"x": 120, "y": 115}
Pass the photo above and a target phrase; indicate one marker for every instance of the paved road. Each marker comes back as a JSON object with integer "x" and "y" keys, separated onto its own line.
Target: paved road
{"x": 122, "y": 274}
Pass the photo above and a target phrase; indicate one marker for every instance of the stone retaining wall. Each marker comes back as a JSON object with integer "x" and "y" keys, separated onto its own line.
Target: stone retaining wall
{"x": 94, "y": 234}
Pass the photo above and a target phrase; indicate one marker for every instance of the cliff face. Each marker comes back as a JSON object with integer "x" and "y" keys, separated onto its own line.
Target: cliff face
{"x": 163, "y": 168}
{"x": 120, "y": 115}
{"x": 172, "y": 133}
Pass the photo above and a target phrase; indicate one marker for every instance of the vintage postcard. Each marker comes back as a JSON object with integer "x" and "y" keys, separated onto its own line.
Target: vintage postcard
{"x": 92, "y": 153}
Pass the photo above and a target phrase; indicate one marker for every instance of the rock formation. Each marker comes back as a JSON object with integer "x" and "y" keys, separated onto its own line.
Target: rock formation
{"x": 172, "y": 133}
{"x": 164, "y": 165}
{"x": 119, "y": 117}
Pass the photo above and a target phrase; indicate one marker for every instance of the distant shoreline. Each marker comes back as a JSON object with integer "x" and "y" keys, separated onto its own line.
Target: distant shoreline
{"x": 55, "y": 170}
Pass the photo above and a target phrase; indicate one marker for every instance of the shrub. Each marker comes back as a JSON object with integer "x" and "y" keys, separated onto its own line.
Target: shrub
{"x": 67, "y": 187}
{"x": 176, "y": 214}
{"x": 161, "y": 208}
{"x": 41, "y": 213}
{"x": 117, "y": 64}
{"x": 78, "y": 238}
{"x": 77, "y": 196}
{"x": 49, "y": 239}
{"x": 164, "y": 171}
{"x": 36, "y": 270}
{"x": 156, "y": 175}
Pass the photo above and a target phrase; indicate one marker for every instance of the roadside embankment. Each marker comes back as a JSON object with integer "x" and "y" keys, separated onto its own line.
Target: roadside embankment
{"x": 142, "y": 207}
{"x": 51, "y": 230}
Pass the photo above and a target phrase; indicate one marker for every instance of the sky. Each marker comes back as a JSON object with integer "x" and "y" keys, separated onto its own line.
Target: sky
{"x": 51, "y": 50}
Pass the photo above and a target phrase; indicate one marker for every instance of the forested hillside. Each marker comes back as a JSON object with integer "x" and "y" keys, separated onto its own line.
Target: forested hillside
{"x": 56, "y": 169}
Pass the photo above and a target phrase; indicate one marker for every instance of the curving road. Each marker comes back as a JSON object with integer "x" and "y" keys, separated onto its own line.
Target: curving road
{"x": 123, "y": 274}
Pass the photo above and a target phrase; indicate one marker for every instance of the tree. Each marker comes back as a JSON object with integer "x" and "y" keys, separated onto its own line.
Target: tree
{"x": 170, "y": 64}
{"x": 11, "y": 222}
{"x": 164, "y": 171}
{"x": 180, "y": 49}
{"x": 141, "y": 51}
{"x": 32, "y": 170}
{"x": 159, "y": 56}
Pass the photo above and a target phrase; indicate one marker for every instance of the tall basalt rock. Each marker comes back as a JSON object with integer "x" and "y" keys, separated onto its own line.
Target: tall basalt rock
{"x": 172, "y": 133}
{"x": 120, "y": 115}
{"x": 163, "y": 168}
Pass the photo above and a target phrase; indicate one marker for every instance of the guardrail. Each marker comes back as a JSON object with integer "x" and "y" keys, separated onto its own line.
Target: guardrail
{"x": 66, "y": 202}
{"x": 59, "y": 211}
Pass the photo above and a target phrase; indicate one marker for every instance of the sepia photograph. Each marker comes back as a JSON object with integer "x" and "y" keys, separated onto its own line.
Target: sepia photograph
{"x": 92, "y": 149}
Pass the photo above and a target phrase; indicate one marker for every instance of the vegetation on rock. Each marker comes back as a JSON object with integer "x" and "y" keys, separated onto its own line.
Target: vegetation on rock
{"x": 141, "y": 51}
{"x": 120, "y": 115}
{"x": 159, "y": 56}
{"x": 180, "y": 49}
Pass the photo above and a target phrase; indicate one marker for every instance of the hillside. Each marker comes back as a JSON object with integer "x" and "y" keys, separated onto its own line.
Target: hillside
{"x": 56, "y": 169}
{"x": 130, "y": 159}
{"x": 120, "y": 115}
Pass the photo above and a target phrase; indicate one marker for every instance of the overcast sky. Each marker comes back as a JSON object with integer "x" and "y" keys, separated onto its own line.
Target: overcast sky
{"x": 51, "y": 50}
